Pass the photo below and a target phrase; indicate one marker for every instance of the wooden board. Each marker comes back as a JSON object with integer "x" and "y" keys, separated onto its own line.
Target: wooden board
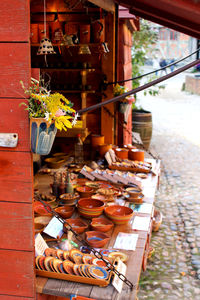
{"x": 16, "y": 226}
{"x": 16, "y": 276}
{"x": 16, "y": 177}
{"x": 18, "y": 123}
{"x": 18, "y": 68}
{"x": 2, "y": 297}
{"x": 14, "y": 22}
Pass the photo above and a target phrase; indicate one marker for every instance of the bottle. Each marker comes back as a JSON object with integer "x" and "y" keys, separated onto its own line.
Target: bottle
{"x": 79, "y": 150}
{"x": 68, "y": 186}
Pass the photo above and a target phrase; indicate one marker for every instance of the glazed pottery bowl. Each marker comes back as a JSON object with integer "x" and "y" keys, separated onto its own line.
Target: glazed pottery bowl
{"x": 90, "y": 208}
{"x": 97, "y": 239}
{"x": 101, "y": 224}
{"x": 77, "y": 224}
{"x": 119, "y": 214}
{"x": 44, "y": 220}
{"x": 134, "y": 192}
{"x": 65, "y": 211}
{"x": 40, "y": 209}
{"x": 135, "y": 154}
{"x": 69, "y": 199}
{"x": 85, "y": 191}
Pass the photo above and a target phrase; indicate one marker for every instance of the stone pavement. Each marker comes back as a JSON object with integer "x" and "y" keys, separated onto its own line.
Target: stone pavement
{"x": 174, "y": 270}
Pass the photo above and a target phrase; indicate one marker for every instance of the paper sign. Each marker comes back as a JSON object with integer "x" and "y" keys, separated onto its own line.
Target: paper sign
{"x": 117, "y": 282}
{"x": 40, "y": 245}
{"x": 144, "y": 208}
{"x": 141, "y": 223}
{"x": 54, "y": 228}
{"x": 126, "y": 241}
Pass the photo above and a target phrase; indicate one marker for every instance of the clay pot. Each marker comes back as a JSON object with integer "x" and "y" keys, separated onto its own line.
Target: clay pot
{"x": 77, "y": 224}
{"x": 119, "y": 214}
{"x": 85, "y": 191}
{"x": 90, "y": 208}
{"x": 97, "y": 239}
{"x": 122, "y": 153}
{"x": 97, "y": 140}
{"x": 101, "y": 224}
{"x": 65, "y": 211}
{"x": 103, "y": 149}
{"x": 136, "y": 154}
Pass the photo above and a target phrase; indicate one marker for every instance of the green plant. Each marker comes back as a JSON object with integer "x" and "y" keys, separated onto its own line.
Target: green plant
{"x": 53, "y": 107}
{"x": 144, "y": 42}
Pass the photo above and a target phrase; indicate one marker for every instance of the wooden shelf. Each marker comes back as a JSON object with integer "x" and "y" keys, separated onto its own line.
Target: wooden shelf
{"x": 74, "y": 45}
{"x": 73, "y": 132}
{"x": 74, "y": 91}
{"x": 68, "y": 70}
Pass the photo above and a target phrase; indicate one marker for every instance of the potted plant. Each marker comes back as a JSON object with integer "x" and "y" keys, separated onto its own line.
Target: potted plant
{"x": 47, "y": 112}
{"x": 125, "y": 103}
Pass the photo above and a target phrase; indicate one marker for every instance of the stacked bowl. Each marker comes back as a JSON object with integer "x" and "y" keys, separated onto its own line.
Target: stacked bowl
{"x": 90, "y": 208}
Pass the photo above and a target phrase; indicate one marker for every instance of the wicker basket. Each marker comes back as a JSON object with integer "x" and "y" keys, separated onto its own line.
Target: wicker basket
{"x": 157, "y": 220}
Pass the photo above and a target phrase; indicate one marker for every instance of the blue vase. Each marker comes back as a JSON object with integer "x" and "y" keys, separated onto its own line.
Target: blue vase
{"x": 42, "y": 134}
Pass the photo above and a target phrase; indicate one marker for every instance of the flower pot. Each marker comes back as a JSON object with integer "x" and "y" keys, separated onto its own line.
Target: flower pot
{"x": 123, "y": 107}
{"x": 42, "y": 134}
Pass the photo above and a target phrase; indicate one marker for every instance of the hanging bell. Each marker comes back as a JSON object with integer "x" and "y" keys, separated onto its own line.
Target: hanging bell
{"x": 84, "y": 49}
{"x": 45, "y": 47}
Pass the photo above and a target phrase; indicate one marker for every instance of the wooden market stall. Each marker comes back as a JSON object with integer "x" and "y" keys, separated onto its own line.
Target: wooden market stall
{"x": 16, "y": 164}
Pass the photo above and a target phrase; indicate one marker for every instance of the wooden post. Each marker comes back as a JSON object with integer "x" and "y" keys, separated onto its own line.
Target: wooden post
{"x": 16, "y": 178}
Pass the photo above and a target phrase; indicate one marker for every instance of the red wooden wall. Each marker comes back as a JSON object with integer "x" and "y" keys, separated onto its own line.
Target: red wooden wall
{"x": 125, "y": 72}
{"x": 16, "y": 214}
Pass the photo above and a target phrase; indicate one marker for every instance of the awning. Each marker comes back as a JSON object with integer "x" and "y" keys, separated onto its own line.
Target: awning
{"x": 180, "y": 15}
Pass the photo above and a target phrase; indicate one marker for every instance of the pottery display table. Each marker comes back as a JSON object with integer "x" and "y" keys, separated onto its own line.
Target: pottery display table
{"x": 136, "y": 262}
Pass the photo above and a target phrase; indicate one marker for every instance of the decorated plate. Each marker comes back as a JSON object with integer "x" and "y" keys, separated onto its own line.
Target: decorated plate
{"x": 50, "y": 252}
{"x": 68, "y": 266}
{"x": 65, "y": 254}
{"x": 37, "y": 262}
{"x": 76, "y": 256}
{"x": 119, "y": 254}
{"x": 59, "y": 254}
{"x": 75, "y": 269}
{"x": 97, "y": 272}
{"x": 99, "y": 262}
{"x": 51, "y": 266}
{"x": 61, "y": 269}
{"x": 87, "y": 258}
{"x": 47, "y": 263}
{"x": 56, "y": 263}
{"x": 41, "y": 262}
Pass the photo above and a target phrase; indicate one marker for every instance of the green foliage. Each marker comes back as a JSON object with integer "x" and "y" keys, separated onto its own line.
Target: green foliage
{"x": 144, "y": 42}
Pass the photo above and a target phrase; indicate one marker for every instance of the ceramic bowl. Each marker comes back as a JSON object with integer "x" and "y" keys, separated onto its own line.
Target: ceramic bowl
{"x": 77, "y": 224}
{"x": 44, "y": 220}
{"x": 90, "y": 208}
{"x": 85, "y": 191}
{"x": 122, "y": 153}
{"x": 136, "y": 154}
{"x": 134, "y": 192}
{"x": 40, "y": 209}
{"x": 97, "y": 239}
{"x": 69, "y": 199}
{"x": 101, "y": 224}
{"x": 65, "y": 211}
{"x": 119, "y": 214}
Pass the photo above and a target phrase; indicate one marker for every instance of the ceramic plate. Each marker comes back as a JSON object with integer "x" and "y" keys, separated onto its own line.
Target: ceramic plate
{"x": 59, "y": 254}
{"x": 66, "y": 255}
{"x": 56, "y": 263}
{"x": 61, "y": 269}
{"x": 50, "y": 252}
{"x": 47, "y": 263}
{"x": 97, "y": 272}
{"x": 75, "y": 269}
{"x": 87, "y": 258}
{"x": 41, "y": 262}
{"x": 76, "y": 256}
{"x": 99, "y": 262}
{"x": 37, "y": 262}
{"x": 68, "y": 266}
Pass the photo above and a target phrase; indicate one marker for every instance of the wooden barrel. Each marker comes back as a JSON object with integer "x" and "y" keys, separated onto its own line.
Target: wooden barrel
{"x": 142, "y": 123}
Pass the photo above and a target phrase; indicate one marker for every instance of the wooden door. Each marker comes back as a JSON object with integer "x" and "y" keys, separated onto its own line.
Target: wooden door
{"x": 16, "y": 214}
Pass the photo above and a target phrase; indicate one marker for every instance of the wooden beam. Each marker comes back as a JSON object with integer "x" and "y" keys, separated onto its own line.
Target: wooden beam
{"x": 108, "y": 5}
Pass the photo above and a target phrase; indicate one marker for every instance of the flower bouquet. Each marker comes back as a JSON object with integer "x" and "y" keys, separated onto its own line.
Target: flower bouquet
{"x": 47, "y": 112}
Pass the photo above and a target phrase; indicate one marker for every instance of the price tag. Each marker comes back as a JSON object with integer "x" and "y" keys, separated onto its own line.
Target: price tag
{"x": 126, "y": 241}
{"x": 54, "y": 228}
{"x": 40, "y": 245}
{"x": 117, "y": 282}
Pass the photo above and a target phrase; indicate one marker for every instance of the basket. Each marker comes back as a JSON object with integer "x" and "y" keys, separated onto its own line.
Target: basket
{"x": 157, "y": 220}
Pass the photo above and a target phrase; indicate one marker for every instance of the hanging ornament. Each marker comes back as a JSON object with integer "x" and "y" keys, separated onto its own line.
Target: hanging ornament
{"x": 46, "y": 46}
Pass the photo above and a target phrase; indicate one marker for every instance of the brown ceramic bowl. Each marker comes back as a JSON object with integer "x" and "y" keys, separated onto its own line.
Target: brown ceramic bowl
{"x": 44, "y": 220}
{"x": 97, "y": 239}
{"x": 69, "y": 199}
{"x": 135, "y": 154}
{"x": 85, "y": 191}
{"x": 40, "y": 209}
{"x": 119, "y": 214}
{"x": 101, "y": 224}
{"x": 77, "y": 224}
{"x": 90, "y": 208}
{"x": 134, "y": 192}
{"x": 65, "y": 211}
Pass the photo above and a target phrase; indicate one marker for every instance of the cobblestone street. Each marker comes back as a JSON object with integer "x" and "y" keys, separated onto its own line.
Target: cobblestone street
{"x": 174, "y": 270}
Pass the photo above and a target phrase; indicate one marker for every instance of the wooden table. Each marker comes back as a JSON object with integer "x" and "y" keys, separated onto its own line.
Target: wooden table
{"x": 137, "y": 259}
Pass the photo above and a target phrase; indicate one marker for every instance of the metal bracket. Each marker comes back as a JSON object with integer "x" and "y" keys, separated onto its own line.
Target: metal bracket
{"x": 8, "y": 140}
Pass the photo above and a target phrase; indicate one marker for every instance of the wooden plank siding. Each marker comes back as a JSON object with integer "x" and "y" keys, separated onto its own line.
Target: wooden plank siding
{"x": 17, "y": 276}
